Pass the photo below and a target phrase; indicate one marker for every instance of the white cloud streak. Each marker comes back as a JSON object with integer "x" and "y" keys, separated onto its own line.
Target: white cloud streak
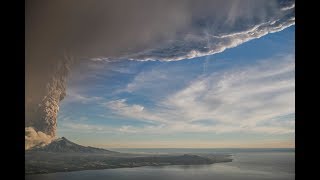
{"x": 218, "y": 43}
{"x": 241, "y": 24}
{"x": 238, "y": 100}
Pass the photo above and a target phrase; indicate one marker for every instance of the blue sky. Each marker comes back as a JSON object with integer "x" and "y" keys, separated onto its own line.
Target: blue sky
{"x": 241, "y": 97}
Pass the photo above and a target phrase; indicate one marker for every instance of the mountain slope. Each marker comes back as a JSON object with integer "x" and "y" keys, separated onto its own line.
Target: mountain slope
{"x": 63, "y": 145}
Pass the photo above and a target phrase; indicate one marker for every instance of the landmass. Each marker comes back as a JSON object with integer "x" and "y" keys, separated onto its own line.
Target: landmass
{"x": 62, "y": 155}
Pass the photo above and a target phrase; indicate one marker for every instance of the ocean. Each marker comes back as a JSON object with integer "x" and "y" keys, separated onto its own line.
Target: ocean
{"x": 247, "y": 164}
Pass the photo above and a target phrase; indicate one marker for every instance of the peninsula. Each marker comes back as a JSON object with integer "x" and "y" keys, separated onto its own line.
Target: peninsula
{"x": 62, "y": 155}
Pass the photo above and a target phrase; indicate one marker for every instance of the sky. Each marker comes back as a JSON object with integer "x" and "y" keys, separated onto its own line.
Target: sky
{"x": 243, "y": 97}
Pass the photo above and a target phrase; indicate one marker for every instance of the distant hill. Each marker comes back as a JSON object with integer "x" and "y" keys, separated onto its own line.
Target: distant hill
{"x": 63, "y": 145}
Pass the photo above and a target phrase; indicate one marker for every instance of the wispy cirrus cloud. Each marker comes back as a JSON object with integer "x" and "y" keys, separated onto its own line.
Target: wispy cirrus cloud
{"x": 122, "y": 108}
{"x": 245, "y": 99}
{"x": 74, "y": 96}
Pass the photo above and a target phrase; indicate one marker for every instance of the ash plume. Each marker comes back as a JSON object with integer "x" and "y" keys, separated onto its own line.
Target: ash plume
{"x": 105, "y": 30}
{"x": 35, "y": 138}
{"x": 42, "y": 109}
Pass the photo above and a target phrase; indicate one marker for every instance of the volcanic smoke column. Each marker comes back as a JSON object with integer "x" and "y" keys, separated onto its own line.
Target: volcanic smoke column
{"x": 42, "y": 106}
{"x": 45, "y": 119}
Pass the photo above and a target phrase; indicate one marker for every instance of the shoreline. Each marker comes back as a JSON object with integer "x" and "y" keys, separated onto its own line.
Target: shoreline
{"x": 45, "y": 163}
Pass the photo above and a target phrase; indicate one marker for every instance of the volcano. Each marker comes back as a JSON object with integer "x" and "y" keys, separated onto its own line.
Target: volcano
{"x": 63, "y": 145}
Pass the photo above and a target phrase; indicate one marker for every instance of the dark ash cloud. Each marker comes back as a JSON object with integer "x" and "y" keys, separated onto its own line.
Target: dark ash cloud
{"x": 61, "y": 33}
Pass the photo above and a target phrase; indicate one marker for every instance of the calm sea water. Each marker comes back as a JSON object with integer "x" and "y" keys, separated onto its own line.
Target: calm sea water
{"x": 248, "y": 164}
